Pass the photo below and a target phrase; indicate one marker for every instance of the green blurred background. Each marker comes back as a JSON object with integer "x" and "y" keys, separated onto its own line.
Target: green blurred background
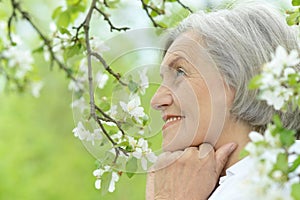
{"x": 39, "y": 156}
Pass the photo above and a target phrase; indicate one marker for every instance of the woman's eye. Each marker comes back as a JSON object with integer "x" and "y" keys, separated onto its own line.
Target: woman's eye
{"x": 180, "y": 72}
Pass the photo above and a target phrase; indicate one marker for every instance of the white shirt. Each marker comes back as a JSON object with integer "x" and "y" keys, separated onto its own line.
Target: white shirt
{"x": 229, "y": 183}
{"x": 232, "y": 185}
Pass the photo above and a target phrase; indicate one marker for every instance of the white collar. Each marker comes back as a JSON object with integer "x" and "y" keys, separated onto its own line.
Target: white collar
{"x": 238, "y": 167}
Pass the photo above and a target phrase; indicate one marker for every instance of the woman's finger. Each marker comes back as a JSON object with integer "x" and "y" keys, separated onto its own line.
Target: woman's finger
{"x": 222, "y": 155}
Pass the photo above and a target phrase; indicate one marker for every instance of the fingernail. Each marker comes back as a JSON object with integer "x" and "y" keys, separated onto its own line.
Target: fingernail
{"x": 232, "y": 147}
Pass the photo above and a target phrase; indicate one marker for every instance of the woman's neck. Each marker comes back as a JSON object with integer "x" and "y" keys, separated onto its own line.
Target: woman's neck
{"x": 236, "y": 132}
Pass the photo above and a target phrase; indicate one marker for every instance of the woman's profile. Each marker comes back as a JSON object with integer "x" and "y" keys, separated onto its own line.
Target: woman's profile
{"x": 205, "y": 101}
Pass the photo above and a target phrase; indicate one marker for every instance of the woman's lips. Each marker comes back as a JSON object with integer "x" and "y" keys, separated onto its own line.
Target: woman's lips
{"x": 171, "y": 120}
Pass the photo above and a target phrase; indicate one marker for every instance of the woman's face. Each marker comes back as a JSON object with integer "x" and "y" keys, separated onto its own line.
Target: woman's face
{"x": 192, "y": 98}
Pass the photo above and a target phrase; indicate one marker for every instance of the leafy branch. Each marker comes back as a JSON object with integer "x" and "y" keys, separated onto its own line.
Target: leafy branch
{"x": 152, "y": 11}
{"x": 184, "y": 6}
{"x": 148, "y": 8}
{"x": 25, "y": 15}
{"x": 93, "y": 107}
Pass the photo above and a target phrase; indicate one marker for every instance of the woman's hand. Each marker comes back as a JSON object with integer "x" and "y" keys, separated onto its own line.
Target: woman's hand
{"x": 189, "y": 174}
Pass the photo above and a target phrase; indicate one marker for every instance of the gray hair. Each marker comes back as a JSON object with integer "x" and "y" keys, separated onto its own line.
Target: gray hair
{"x": 240, "y": 40}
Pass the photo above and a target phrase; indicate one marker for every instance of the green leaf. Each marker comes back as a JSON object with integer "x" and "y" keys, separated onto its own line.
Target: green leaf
{"x": 56, "y": 12}
{"x": 105, "y": 106}
{"x": 254, "y": 82}
{"x": 153, "y": 13}
{"x": 125, "y": 143}
{"x": 38, "y": 50}
{"x": 296, "y": 191}
{"x": 63, "y": 30}
{"x": 131, "y": 167}
{"x": 243, "y": 153}
{"x": 145, "y": 120}
{"x": 293, "y": 19}
{"x": 163, "y": 25}
{"x": 287, "y": 137}
{"x": 282, "y": 162}
{"x": 63, "y": 19}
{"x": 133, "y": 86}
{"x": 71, "y": 51}
{"x": 295, "y": 164}
{"x": 72, "y": 2}
{"x": 295, "y": 2}
{"x": 105, "y": 181}
{"x": 277, "y": 121}
{"x": 113, "y": 3}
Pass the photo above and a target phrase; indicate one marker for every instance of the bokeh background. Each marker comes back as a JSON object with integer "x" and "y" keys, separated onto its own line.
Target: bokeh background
{"x": 39, "y": 156}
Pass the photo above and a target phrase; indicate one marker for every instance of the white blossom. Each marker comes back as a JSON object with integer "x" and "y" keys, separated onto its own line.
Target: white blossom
{"x": 255, "y": 136}
{"x": 144, "y": 80}
{"x": 274, "y": 78}
{"x": 114, "y": 179}
{"x": 96, "y": 135}
{"x": 282, "y": 59}
{"x": 113, "y": 111}
{"x": 143, "y": 153}
{"x": 36, "y": 88}
{"x": 98, "y": 174}
{"x": 77, "y": 85}
{"x": 295, "y": 148}
{"x": 133, "y": 108}
{"x": 263, "y": 181}
{"x": 80, "y": 104}
{"x": 20, "y": 59}
{"x": 83, "y": 68}
{"x": 80, "y": 131}
{"x": 86, "y": 135}
{"x": 276, "y": 97}
{"x": 98, "y": 45}
{"x": 98, "y": 184}
{"x": 101, "y": 79}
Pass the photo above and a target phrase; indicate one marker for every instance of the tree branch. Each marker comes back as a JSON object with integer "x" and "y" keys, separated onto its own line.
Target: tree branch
{"x": 12, "y": 16}
{"x": 111, "y": 140}
{"x": 93, "y": 106}
{"x": 184, "y": 6}
{"x": 86, "y": 27}
{"x": 46, "y": 41}
{"x": 145, "y": 8}
{"x": 106, "y": 18}
{"x": 107, "y": 68}
{"x": 108, "y": 118}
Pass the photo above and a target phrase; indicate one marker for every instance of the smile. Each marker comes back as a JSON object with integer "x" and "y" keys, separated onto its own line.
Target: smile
{"x": 171, "y": 120}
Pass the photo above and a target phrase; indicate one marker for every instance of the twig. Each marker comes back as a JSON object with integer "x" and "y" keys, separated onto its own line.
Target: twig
{"x": 108, "y": 118}
{"x": 45, "y": 39}
{"x": 184, "y": 6}
{"x": 105, "y": 3}
{"x": 145, "y": 8}
{"x": 107, "y": 68}
{"x": 12, "y": 16}
{"x": 75, "y": 38}
{"x": 111, "y": 140}
{"x": 89, "y": 59}
{"x": 106, "y": 18}
{"x": 93, "y": 107}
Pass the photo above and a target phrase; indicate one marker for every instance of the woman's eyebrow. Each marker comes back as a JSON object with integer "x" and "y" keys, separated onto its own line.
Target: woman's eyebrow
{"x": 172, "y": 63}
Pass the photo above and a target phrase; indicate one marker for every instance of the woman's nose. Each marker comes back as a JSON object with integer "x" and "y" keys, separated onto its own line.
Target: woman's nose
{"x": 162, "y": 98}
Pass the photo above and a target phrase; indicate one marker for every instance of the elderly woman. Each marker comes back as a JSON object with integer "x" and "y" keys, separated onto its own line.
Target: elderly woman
{"x": 205, "y": 102}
